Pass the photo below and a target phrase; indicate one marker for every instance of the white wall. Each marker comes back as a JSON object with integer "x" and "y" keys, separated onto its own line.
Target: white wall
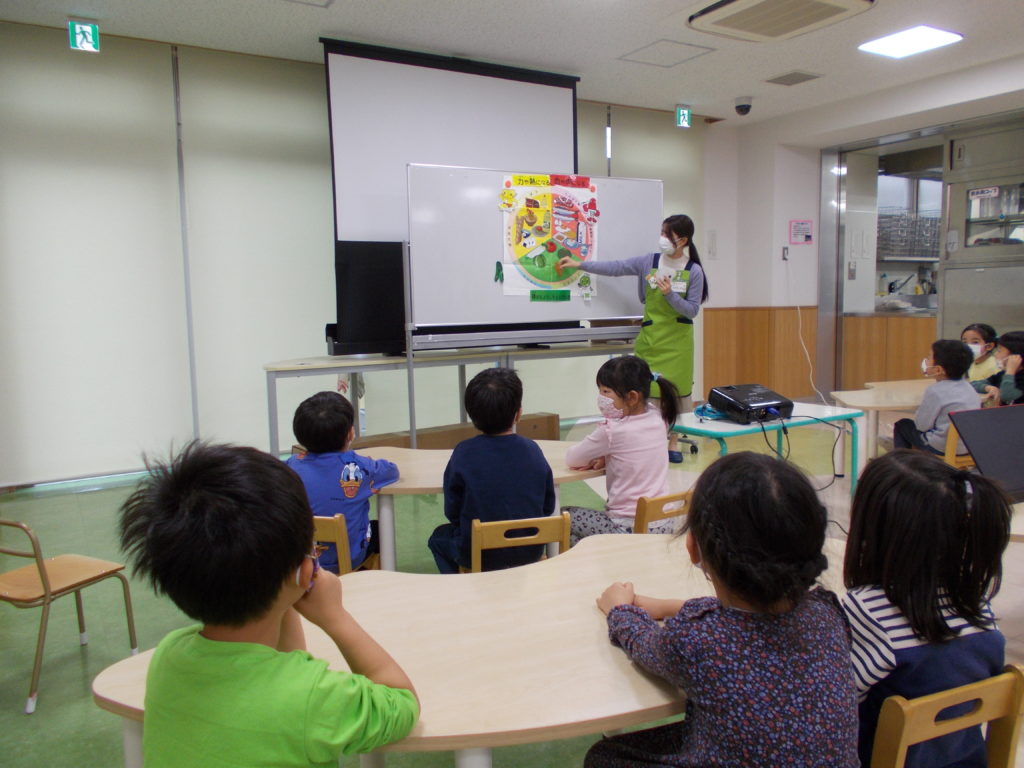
{"x": 92, "y": 309}
{"x": 93, "y": 258}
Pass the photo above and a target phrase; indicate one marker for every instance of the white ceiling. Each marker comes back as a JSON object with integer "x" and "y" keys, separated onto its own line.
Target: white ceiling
{"x": 588, "y": 38}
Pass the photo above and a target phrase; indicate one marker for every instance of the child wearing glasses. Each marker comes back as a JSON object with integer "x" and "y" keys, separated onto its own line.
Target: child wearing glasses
{"x": 226, "y": 532}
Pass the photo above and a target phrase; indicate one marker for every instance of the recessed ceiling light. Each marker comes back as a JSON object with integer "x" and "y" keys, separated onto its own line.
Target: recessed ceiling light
{"x": 910, "y": 41}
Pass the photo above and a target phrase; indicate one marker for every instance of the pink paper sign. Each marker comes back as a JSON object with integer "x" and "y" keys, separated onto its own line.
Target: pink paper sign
{"x": 801, "y": 231}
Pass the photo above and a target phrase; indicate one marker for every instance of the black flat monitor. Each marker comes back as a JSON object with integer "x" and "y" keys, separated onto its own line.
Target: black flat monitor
{"x": 995, "y": 439}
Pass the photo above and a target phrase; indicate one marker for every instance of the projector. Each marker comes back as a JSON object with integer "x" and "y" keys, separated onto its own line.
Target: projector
{"x": 744, "y": 403}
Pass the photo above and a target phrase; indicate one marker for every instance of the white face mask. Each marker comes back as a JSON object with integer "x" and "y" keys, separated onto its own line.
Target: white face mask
{"x": 666, "y": 246}
{"x": 1001, "y": 363}
{"x": 924, "y": 366}
{"x": 977, "y": 349}
{"x": 607, "y": 408}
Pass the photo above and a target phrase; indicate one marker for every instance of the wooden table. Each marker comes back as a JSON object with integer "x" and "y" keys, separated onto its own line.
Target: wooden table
{"x": 1017, "y": 523}
{"x": 882, "y": 396}
{"x": 422, "y": 472}
{"x": 498, "y": 658}
{"x": 804, "y": 414}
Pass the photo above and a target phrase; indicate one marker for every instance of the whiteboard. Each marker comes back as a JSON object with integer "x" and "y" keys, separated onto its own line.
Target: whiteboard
{"x": 456, "y": 234}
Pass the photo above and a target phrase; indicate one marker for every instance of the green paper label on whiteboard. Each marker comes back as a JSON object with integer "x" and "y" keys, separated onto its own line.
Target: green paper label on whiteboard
{"x": 549, "y": 295}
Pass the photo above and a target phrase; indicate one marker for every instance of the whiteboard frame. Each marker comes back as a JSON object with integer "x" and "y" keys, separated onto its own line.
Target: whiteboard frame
{"x": 488, "y": 331}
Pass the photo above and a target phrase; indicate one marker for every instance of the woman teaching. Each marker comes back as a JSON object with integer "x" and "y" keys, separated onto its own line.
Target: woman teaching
{"x": 672, "y": 286}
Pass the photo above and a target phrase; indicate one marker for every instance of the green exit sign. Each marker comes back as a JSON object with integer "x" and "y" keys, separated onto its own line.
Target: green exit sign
{"x": 84, "y": 36}
{"x": 683, "y": 115}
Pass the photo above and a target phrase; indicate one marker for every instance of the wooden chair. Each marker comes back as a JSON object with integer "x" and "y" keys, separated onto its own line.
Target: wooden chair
{"x": 651, "y": 509}
{"x": 550, "y": 530}
{"x": 951, "y": 457}
{"x": 47, "y": 579}
{"x": 334, "y": 531}
{"x": 998, "y": 701}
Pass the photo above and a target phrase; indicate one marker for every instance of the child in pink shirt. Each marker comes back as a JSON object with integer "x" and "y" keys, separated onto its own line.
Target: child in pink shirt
{"x": 629, "y": 445}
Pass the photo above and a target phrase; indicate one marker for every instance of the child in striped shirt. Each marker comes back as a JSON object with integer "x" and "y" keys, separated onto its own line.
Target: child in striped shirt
{"x": 923, "y": 559}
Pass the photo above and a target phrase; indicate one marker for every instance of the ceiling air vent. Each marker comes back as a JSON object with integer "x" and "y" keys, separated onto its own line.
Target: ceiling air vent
{"x": 763, "y": 20}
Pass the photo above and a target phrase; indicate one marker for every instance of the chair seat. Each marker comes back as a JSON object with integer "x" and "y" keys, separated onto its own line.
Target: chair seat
{"x": 66, "y": 572}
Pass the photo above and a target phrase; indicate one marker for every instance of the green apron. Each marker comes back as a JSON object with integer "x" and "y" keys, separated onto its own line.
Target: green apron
{"x": 665, "y": 341}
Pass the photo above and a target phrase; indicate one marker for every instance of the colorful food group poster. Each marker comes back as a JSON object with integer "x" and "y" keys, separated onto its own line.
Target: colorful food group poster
{"x": 548, "y": 218}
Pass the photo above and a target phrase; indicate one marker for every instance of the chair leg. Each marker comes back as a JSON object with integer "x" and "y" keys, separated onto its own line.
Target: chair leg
{"x": 83, "y": 638}
{"x": 129, "y": 613}
{"x": 37, "y": 666}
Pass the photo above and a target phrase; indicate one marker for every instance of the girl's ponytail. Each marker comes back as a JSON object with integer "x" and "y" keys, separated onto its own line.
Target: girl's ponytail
{"x": 669, "y": 398}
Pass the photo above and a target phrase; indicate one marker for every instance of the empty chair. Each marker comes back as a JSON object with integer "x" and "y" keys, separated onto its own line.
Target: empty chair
{"x": 998, "y": 701}
{"x": 41, "y": 583}
{"x": 549, "y": 530}
{"x": 333, "y": 530}
{"x": 652, "y": 509}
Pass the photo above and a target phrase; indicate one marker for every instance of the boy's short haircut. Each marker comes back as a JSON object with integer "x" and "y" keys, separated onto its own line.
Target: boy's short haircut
{"x": 218, "y": 529}
{"x": 1013, "y": 341}
{"x": 322, "y": 422}
{"x": 493, "y": 397}
{"x": 954, "y": 357}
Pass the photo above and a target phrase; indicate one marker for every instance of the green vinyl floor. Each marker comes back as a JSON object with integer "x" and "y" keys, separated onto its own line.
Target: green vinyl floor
{"x": 68, "y": 729}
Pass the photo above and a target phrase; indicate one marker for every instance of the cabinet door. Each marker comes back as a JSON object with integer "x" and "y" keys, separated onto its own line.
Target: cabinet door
{"x": 864, "y": 351}
{"x": 908, "y": 339}
{"x": 988, "y": 152}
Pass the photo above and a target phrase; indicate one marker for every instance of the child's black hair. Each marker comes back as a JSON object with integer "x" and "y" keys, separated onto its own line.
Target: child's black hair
{"x": 681, "y": 225}
{"x": 629, "y": 373}
{"x": 953, "y": 356}
{"x": 218, "y": 529}
{"x": 927, "y": 533}
{"x": 1013, "y": 341}
{"x": 322, "y": 422}
{"x": 493, "y": 398}
{"x": 987, "y": 332}
{"x": 759, "y": 527}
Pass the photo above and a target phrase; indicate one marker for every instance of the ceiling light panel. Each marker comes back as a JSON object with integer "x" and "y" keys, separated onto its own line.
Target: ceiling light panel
{"x": 910, "y": 41}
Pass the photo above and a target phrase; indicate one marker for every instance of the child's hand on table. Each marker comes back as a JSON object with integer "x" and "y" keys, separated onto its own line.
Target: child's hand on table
{"x": 619, "y": 593}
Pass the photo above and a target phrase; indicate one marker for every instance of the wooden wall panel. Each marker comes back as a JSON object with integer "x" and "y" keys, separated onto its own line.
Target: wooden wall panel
{"x": 748, "y": 345}
{"x": 789, "y": 372}
{"x": 908, "y": 339}
{"x": 864, "y": 356}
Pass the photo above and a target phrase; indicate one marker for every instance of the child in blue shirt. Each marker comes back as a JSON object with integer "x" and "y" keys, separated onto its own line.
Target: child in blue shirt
{"x": 338, "y": 481}
{"x": 494, "y": 476}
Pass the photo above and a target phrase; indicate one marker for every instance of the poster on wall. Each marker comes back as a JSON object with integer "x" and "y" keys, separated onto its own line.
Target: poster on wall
{"x": 547, "y": 218}
{"x": 801, "y": 232}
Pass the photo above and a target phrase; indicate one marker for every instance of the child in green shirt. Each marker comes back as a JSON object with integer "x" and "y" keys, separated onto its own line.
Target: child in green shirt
{"x": 226, "y": 532}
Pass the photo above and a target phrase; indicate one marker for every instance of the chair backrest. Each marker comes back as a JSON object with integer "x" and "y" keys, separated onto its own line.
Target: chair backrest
{"x": 495, "y": 535}
{"x": 951, "y": 457}
{"x": 651, "y": 509}
{"x": 36, "y": 553}
{"x": 333, "y": 531}
{"x": 998, "y": 701}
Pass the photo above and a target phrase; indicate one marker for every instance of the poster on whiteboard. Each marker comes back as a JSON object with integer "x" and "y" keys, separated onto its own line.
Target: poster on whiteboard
{"x": 548, "y": 218}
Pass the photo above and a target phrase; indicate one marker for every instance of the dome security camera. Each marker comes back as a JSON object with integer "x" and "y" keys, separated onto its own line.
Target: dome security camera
{"x": 743, "y": 105}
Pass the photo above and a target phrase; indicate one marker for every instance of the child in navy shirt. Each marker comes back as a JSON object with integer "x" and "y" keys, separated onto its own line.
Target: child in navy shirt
{"x": 338, "y": 481}
{"x": 494, "y": 476}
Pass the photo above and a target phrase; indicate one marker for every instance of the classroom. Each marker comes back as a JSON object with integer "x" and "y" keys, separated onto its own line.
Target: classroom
{"x": 167, "y": 229}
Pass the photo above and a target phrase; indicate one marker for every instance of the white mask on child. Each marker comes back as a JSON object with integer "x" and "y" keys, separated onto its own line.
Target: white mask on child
{"x": 977, "y": 349}
{"x": 924, "y": 366}
{"x": 607, "y": 408}
{"x": 666, "y": 246}
{"x": 1001, "y": 363}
